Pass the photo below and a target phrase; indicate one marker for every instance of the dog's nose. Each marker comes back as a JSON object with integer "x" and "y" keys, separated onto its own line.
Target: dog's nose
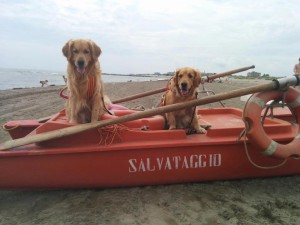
{"x": 80, "y": 63}
{"x": 184, "y": 86}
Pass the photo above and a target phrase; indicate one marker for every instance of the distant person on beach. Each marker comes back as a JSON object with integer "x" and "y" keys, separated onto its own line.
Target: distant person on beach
{"x": 65, "y": 79}
{"x": 297, "y": 68}
{"x": 44, "y": 82}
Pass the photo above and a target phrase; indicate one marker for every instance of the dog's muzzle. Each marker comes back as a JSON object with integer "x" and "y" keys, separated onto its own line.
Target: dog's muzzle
{"x": 184, "y": 90}
{"x": 80, "y": 66}
{"x": 184, "y": 86}
{"x": 80, "y": 63}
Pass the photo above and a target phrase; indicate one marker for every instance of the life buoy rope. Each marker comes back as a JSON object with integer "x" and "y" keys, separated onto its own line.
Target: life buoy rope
{"x": 9, "y": 129}
{"x": 244, "y": 135}
{"x": 110, "y": 134}
{"x": 254, "y": 128}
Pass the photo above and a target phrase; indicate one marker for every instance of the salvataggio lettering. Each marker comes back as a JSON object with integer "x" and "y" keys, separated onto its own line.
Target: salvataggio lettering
{"x": 174, "y": 163}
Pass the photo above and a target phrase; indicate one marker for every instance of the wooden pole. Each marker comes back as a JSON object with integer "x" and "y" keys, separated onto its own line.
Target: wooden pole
{"x": 129, "y": 98}
{"x": 218, "y": 75}
{"x": 126, "y": 99}
{"x": 290, "y": 81}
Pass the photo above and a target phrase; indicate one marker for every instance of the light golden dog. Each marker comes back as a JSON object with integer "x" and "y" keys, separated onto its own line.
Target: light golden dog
{"x": 85, "y": 87}
{"x": 183, "y": 87}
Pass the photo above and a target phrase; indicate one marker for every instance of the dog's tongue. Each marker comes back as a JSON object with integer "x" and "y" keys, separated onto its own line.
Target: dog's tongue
{"x": 184, "y": 92}
{"x": 79, "y": 70}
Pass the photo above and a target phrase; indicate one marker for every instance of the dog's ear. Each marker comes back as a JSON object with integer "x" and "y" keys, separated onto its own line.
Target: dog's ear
{"x": 198, "y": 78}
{"x": 171, "y": 84}
{"x": 66, "y": 50}
{"x": 175, "y": 78}
{"x": 95, "y": 50}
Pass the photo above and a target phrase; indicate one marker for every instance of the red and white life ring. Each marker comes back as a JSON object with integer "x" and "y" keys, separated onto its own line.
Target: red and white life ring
{"x": 255, "y": 131}
{"x": 152, "y": 123}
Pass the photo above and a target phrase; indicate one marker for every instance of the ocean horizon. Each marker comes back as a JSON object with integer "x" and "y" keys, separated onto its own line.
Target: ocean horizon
{"x": 27, "y": 78}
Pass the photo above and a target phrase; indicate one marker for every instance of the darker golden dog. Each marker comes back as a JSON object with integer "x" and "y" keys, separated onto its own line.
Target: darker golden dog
{"x": 183, "y": 87}
{"x": 85, "y": 87}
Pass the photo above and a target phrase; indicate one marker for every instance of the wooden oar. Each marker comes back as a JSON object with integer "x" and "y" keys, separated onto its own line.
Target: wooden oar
{"x": 144, "y": 94}
{"x": 284, "y": 82}
{"x": 219, "y": 75}
{"x": 206, "y": 79}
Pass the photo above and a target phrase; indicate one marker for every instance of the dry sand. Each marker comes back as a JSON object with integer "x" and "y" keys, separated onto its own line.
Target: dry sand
{"x": 251, "y": 201}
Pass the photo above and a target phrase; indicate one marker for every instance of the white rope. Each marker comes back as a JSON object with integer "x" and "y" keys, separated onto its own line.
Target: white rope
{"x": 244, "y": 133}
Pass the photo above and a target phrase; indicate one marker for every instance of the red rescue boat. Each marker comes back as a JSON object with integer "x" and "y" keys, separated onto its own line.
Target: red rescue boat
{"x": 142, "y": 152}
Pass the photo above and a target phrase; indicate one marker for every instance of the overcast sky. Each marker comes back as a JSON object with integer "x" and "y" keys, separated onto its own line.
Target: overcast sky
{"x": 146, "y": 36}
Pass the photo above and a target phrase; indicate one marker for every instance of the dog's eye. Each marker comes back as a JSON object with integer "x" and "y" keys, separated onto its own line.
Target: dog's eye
{"x": 86, "y": 51}
{"x": 190, "y": 76}
{"x": 180, "y": 76}
{"x": 75, "y": 51}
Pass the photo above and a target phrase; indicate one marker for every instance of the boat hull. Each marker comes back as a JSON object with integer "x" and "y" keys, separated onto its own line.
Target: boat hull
{"x": 137, "y": 158}
{"x": 136, "y": 167}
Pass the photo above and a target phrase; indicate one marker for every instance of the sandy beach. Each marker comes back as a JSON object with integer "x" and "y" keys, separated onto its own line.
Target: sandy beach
{"x": 240, "y": 202}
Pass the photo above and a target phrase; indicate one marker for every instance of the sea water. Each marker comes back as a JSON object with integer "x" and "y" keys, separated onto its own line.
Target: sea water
{"x": 25, "y": 78}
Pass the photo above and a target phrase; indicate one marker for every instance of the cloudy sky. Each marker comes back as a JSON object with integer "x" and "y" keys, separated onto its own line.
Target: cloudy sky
{"x": 146, "y": 36}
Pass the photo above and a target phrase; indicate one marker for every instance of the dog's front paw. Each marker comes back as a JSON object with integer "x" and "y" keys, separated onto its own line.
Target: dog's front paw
{"x": 206, "y": 126}
{"x": 172, "y": 128}
{"x": 72, "y": 121}
{"x": 94, "y": 120}
{"x": 201, "y": 131}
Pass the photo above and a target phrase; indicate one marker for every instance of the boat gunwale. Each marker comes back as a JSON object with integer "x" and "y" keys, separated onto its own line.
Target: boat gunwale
{"x": 213, "y": 137}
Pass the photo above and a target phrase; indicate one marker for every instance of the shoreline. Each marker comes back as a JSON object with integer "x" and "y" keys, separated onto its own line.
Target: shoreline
{"x": 154, "y": 79}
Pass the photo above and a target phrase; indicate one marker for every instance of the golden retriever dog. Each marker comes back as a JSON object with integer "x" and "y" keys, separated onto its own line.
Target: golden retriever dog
{"x": 183, "y": 87}
{"x": 85, "y": 87}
